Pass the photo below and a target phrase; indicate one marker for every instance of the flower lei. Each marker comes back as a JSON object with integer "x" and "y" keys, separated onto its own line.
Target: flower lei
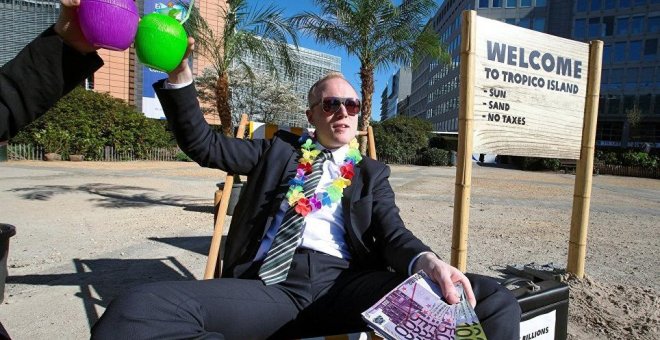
{"x": 334, "y": 192}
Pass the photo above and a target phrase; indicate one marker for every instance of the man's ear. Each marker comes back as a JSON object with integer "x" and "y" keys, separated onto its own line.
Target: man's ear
{"x": 308, "y": 113}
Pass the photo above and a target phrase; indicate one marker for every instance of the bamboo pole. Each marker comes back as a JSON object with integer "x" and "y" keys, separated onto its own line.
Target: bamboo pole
{"x": 577, "y": 246}
{"x": 464, "y": 156}
{"x": 214, "y": 250}
{"x": 372, "y": 142}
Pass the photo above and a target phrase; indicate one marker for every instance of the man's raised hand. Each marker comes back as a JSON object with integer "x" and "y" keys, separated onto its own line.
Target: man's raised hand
{"x": 68, "y": 28}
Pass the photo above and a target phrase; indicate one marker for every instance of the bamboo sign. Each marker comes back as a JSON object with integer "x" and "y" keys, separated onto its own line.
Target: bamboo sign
{"x": 525, "y": 93}
{"x": 529, "y": 94}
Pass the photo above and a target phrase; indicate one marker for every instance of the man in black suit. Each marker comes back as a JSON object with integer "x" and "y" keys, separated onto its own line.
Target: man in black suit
{"x": 349, "y": 253}
{"x": 45, "y": 70}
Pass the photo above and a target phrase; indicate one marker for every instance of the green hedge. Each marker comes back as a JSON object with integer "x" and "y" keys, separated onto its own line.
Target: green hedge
{"x": 83, "y": 122}
{"x": 628, "y": 158}
{"x": 435, "y": 156}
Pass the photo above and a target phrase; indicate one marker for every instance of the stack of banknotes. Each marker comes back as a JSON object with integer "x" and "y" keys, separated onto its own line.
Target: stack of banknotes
{"x": 416, "y": 310}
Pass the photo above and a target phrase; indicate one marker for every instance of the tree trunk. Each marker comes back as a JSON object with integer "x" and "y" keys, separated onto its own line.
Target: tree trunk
{"x": 367, "y": 78}
{"x": 222, "y": 95}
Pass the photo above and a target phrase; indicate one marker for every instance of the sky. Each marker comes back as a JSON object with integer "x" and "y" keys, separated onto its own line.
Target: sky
{"x": 350, "y": 65}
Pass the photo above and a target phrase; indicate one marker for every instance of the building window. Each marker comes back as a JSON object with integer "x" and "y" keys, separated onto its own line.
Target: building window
{"x": 651, "y": 49}
{"x": 610, "y": 4}
{"x": 616, "y": 76}
{"x": 539, "y": 24}
{"x": 497, "y": 3}
{"x": 631, "y": 75}
{"x": 581, "y": 5}
{"x": 619, "y": 52}
{"x": 605, "y": 76}
{"x": 510, "y": 21}
{"x": 653, "y": 24}
{"x": 622, "y": 26}
{"x": 541, "y": 3}
{"x": 635, "y": 50}
{"x": 525, "y": 3}
{"x": 656, "y": 106}
{"x": 609, "y": 131}
{"x": 607, "y": 54}
{"x": 511, "y": 3}
{"x": 595, "y": 28}
{"x": 624, "y": 3}
{"x": 628, "y": 102}
{"x": 595, "y": 5}
{"x": 579, "y": 31}
{"x": 636, "y": 24}
{"x": 524, "y": 22}
{"x": 640, "y": 2}
{"x": 645, "y": 103}
{"x": 613, "y": 104}
{"x": 608, "y": 22}
{"x": 483, "y": 3}
{"x": 646, "y": 77}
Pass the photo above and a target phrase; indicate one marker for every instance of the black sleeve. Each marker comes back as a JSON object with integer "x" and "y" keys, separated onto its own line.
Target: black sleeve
{"x": 398, "y": 244}
{"x": 196, "y": 138}
{"x": 44, "y": 71}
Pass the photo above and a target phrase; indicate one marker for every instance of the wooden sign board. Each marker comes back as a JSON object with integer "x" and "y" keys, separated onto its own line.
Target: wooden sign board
{"x": 529, "y": 92}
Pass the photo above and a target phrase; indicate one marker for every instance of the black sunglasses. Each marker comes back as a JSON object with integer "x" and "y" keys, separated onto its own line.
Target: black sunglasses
{"x": 332, "y": 105}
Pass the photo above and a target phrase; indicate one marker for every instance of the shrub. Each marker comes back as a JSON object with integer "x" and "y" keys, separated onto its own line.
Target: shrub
{"x": 94, "y": 120}
{"x": 53, "y": 139}
{"x": 641, "y": 159}
{"x": 435, "y": 156}
{"x": 536, "y": 163}
{"x": 401, "y": 137}
{"x": 182, "y": 157}
{"x": 607, "y": 157}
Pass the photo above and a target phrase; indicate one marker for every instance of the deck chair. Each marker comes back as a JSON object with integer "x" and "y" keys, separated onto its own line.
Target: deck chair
{"x": 222, "y": 197}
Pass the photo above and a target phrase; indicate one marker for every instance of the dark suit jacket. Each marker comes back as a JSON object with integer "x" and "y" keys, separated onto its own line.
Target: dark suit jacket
{"x": 44, "y": 71}
{"x": 374, "y": 230}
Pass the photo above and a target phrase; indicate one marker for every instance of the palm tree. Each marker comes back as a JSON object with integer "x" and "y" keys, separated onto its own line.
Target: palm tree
{"x": 257, "y": 33}
{"x": 378, "y": 32}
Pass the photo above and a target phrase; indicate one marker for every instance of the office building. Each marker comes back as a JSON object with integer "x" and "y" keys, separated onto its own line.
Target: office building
{"x": 435, "y": 90}
{"x": 629, "y": 107}
{"x": 22, "y": 21}
{"x": 310, "y": 66}
{"x": 397, "y": 90}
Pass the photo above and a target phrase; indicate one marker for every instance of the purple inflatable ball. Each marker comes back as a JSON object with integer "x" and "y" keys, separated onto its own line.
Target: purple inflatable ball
{"x": 109, "y": 24}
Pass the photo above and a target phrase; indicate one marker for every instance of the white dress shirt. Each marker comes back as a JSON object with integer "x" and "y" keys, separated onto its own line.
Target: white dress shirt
{"x": 324, "y": 228}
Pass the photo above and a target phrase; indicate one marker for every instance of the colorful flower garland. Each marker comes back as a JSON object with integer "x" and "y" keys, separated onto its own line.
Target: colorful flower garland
{"x": 334, "y": 192}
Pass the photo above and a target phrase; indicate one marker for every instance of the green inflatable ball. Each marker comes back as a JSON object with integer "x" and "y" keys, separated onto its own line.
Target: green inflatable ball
{"x": 160, "y": 42}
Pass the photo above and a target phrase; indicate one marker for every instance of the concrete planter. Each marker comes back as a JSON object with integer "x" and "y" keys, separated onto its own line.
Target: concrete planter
{"x": 51, "y": 156}
{"x": 6, "y": 231}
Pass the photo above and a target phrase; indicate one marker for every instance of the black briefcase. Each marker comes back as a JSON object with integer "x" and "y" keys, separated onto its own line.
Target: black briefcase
{"x": 544, "y": 306}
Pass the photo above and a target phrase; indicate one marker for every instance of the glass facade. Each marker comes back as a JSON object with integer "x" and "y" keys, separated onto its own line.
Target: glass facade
{"x": 631, "y": 66}
{"x": 312, "y": 65}
{"x": 22, "y": 21}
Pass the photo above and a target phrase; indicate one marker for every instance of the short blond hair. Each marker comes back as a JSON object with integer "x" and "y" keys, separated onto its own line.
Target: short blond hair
{"x": 312, "y": 96}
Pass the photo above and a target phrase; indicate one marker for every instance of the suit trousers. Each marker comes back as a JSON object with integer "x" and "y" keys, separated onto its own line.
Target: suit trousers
{"x": 323, "y": 295}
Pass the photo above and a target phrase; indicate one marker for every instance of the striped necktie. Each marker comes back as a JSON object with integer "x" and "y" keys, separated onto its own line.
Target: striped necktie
{"x": 275, "y": 267}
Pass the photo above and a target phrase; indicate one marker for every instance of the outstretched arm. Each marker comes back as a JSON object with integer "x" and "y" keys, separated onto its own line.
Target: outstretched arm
{"x": 45, "y": 70}
{"x": 194, "y": 136}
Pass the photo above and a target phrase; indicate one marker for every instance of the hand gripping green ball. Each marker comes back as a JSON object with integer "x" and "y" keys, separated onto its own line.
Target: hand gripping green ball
{"x": 160, "y": 42}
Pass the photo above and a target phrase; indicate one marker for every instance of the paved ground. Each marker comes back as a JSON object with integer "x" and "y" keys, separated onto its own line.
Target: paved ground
{"x": 87, "y": 231}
